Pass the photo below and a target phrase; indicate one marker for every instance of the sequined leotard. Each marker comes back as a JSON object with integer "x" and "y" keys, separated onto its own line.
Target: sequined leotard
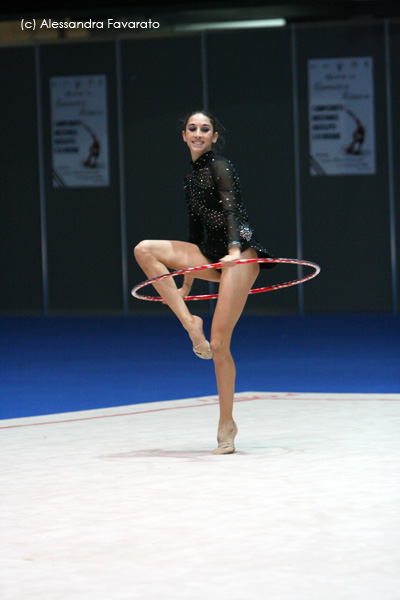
{"x": 217, "y": 215}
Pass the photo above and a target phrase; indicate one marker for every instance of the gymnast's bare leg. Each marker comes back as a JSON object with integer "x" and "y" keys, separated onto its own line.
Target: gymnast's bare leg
{"x": 234, "y": 287}
{"x": 155, "y": 257}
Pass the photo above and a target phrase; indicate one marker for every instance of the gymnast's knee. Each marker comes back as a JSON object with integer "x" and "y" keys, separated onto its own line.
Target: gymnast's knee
{"x": 143, "y": 251}
{"x": 220, "y": 347}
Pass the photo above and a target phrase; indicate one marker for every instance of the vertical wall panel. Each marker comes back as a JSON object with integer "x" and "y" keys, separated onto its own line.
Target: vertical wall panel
{"x": 161, "y": 82}
{"x": 395, "y": 85}
{"x": 250, "y": 90}
{"x": 346, "y": 223}
{"x": 20, "y": 241}
{"x": 83, "y": 223}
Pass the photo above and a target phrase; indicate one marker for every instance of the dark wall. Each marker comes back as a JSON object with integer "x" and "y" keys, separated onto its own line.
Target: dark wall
{"x": 345, "y": 220}
{"x": 83, "y": 224}
{"x": 395, "y": 86}
{"x": 20, "y": 239}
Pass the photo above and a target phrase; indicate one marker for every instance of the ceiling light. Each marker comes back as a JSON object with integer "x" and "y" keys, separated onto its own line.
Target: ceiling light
{"x": 250, "y": 24}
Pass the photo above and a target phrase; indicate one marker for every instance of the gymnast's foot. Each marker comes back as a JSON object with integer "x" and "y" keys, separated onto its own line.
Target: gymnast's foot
{"x": 226, "y": 437}
{"x": 201, "y": 347}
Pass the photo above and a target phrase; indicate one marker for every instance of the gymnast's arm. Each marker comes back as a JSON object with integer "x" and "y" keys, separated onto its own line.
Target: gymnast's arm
{"x": 223, "y": 177}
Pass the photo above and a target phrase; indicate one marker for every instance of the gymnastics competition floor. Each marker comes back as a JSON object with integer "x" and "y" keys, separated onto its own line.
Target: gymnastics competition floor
{"x": 109, "y": 488}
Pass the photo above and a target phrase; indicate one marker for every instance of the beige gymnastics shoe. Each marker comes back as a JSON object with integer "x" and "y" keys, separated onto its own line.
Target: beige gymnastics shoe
{"x": 205, "y": 352}
{"x": 226, "y": 446}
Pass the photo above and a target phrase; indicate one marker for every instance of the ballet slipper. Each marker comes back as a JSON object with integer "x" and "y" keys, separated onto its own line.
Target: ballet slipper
{"x": 206, "y": 352}
{"x": 227, "y": 445}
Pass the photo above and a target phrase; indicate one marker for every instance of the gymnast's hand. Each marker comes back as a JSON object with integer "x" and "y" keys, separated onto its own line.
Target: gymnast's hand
{"x": 230, "y": 259}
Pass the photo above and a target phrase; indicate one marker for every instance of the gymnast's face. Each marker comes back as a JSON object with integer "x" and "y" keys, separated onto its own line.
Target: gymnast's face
{"x": 199, "y": 135}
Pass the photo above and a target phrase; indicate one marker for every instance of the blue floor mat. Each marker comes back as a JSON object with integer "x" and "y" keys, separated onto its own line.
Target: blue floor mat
{"x": 62, "y": 364}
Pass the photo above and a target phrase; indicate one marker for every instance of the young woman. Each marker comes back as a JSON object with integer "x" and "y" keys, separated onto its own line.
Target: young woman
{"x": 219, "y": 231}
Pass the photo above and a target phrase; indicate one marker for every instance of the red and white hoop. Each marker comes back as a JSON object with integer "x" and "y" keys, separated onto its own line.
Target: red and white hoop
{"x": 269, "y": 288}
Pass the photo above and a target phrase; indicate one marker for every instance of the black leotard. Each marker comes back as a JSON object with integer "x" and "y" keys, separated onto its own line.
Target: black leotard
{"x": 217, "y": 215}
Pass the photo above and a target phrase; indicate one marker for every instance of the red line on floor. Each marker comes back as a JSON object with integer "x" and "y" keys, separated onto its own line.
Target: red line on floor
{"x": 139, "y": 412}
{"x": 204, "y": 402}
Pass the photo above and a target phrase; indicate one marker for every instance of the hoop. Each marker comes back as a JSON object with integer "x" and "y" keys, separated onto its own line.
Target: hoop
{"x": 269, "y": 288}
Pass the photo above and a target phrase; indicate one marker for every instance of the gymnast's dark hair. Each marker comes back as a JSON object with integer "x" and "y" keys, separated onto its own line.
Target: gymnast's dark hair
{"x": 216, "y": 124}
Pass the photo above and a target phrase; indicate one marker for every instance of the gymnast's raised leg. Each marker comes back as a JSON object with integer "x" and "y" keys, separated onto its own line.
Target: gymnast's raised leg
{"x": 155, "y": 257}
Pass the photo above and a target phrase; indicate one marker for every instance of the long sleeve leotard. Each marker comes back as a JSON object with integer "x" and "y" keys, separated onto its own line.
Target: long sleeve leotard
{"x": 217, "y": 215}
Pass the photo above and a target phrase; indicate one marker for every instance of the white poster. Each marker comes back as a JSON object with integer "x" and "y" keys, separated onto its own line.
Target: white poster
{"x": 79, "y": 131}
{"x": 341, "y": 113}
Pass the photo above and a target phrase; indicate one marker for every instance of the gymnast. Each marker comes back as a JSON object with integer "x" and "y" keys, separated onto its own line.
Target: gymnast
{"x": 219, "y": 231}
